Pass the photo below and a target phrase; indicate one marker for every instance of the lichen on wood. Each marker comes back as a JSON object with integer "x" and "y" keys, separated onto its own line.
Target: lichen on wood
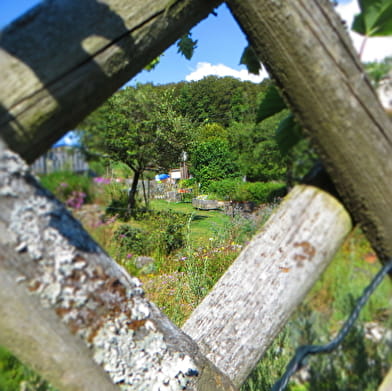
{"x": 97, "y": 300}
{"x": 240, "y": 317}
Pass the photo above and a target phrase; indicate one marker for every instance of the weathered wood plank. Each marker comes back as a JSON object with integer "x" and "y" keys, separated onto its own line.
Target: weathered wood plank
{"x": 38, "y": 337}
{"x": 387, "y": 382}
{"x": 84, "y": 298}
{"x": 239, "y": 318}
{"x": 64, "y": 58}
{"x": 305, "y": 48}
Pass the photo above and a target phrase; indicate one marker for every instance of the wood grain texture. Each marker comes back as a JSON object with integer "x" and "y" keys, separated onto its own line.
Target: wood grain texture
{"x": 37, "y": 336}
{"x": 77, "y": 296}
{"x": 387, "y": 382}
{"x": 239, "y": 318}
{"x": 305, "y": 48}
{"x": 62, "y": 59}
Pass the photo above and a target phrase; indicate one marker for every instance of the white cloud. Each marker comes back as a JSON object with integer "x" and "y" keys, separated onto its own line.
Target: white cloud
{"x": 376, "y": 48}
{"x": 206, "y": 69}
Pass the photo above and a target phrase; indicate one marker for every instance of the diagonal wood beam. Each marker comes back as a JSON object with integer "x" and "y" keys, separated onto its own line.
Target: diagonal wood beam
{"x": 252, "y": 301}
{"x": 305, "y": 48}
{"x": 62, "y": 59}
{"x": 72, "y": 313}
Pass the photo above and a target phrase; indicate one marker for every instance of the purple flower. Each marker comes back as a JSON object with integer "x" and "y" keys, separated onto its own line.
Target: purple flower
{"x": 129, "y": 255}
{"x": 102, "y": 180}
{"x": 76, "y": 199}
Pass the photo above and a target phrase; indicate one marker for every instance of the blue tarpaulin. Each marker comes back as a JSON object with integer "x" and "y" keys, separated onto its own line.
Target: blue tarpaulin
{"x": 161, "y": 177}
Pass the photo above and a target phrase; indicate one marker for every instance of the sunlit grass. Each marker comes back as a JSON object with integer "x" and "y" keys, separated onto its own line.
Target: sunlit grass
{"x": 205, "y": 223}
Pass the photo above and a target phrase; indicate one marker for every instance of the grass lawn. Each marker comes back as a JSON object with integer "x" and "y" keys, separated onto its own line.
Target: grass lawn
{"x": 205, "y": 224}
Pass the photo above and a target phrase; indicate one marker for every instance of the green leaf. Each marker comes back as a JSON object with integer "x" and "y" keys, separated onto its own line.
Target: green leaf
{"x": 186, "y": 46}
{"x": 272, "y": 104}
{"x": 288, "y": 134}
{"x": 251, "y": 61}
{"x": 153, "y": 63}
{"x": 375, "y": 18}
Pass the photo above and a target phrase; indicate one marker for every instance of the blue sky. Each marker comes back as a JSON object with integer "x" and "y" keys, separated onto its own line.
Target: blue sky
{"x": 220, "y": 45}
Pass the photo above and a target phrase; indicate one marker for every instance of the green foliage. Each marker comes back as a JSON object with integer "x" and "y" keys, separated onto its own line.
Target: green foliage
{"x": 117, "y": 200}
{"x": 375, "y": 18}
{"x": 251, "y": 61}
{"x": 359, "y": 364}
{"x": 187, "y": 183}
{"x": 211, "y": 161}
{"x": 211, "y": 131}
{"x": 271, "y": 104}
{"x": 131, "y": 240}
{"x": 272, "y": 366}
{"x": 151, "y": 233}
{"x": 168, "y": 232}
{"x": 236, "y": 190}
{"x": 63, "y": 184}
{"x": 218, "y": 100}
{"x": 377, "y": 70}
{"x": 260, "y": 192}
{"x": 225, "y": 189}
{"x": 186, "y": 46}
{"x": 256, "y": 150}
{"x": 288, "y": 134}
{"x": 295, "y": 149}
{"x": 138, "y": 127}
{"x": 98, "y": 167}
{"x": 153, "y": 64}
{"x": 16, "y": 376}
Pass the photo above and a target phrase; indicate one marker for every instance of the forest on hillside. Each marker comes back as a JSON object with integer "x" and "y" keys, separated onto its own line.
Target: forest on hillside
{"x": 214, "y": 120}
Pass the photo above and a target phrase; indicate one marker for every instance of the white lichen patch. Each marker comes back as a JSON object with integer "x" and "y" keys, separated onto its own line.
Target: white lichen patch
{"x": 148, "y": 365}
{"x": 98, "y": 301}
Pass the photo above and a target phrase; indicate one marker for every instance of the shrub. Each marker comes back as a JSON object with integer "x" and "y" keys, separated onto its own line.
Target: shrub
{"x": 225, "y": 189}
{"x": 187, "y": 183}
{"x": 161, "y": 233}
{"x": 131, "y": 240}
{"x": 212, "y": 160}
{"x": 258, "y": 192}
{"x": 262, "y": 192}
{"x": 169, "y": 230}
{"x": 67, "y": 186}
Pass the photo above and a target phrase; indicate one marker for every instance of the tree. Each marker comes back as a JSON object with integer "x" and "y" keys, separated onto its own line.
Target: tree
{"x": 257, "y": 151}
{"x": 212, "y": 160}
{"x": 218, "y": 100}
{"x": 138, "y": 127}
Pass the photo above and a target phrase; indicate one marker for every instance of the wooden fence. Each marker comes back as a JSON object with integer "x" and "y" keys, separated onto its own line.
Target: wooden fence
{"x": 60, "y": 159}
{"x": 68, "y": 309}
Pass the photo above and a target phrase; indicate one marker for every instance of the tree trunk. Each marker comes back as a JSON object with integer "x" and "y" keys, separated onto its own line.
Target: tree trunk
{"x": 306, "y": 49}
{"x": 133, "y": 191}
{"x": 146, "y": 195}
{"x": 240, "y": 317}
{"x": 72, "y": 313}
{"x": 64, "y": 58}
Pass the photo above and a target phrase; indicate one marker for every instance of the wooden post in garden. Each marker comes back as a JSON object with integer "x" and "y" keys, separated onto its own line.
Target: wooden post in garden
{"x": 252, "y": 301}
